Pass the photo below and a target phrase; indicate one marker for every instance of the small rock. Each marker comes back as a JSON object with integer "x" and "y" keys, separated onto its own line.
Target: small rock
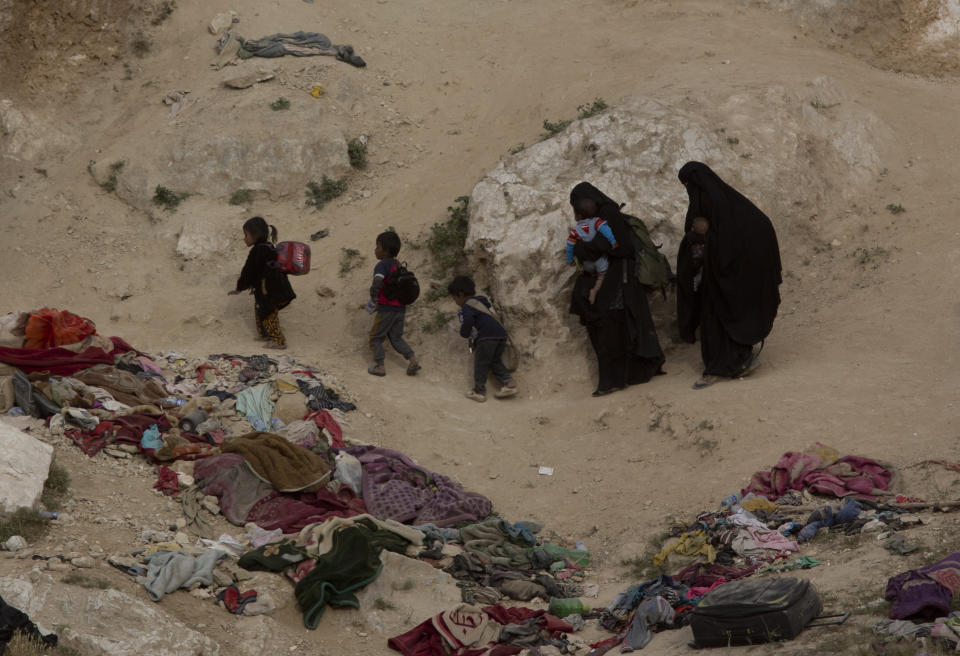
{"x": 872, "y": 526}
{"x": 325, "y": 292}
{"x": 181, "y": 538}
{"x": 57, "y": 565}
{"x": 201, "y": 593}
{"x": 911, "y": 519}
{"x": 85, "y": 562}
{"x": 116, "y": 453}
{"x": 15, "y": 543}
{"x": 129, "y": 448}
{"x": 185, "y": 481}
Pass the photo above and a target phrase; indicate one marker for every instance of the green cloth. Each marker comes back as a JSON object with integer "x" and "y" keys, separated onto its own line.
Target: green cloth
{"x": 488, "y": 539}
{"x": 273, "y": 557}
{"x": 579, "y": 557}
{"x": 256, "y": 401}
{"x": 352, "y": 562}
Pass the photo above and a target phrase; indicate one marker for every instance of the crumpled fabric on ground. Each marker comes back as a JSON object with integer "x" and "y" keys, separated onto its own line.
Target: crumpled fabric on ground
{"x": 91, "y": 393}
{"x": 287, "y": 467}
{"x": 490, "y": 539}
{"x": 352, "y": 562}
{"x": 901, "y": 629}
{"x": 273, "y": 557}
{"x": 123, "y": 385}
{"x": 693, "y": 545}
{"x": 650, "y": 612}
{"x": 48, "y": 327}
{"x": 227, "y": 477}
{"x": 59, "y": 361}
{"x": 323, "y": 398}
{"x": 256, "y": 401}
{"x": 167, "y": 482}
{"x": 299, "y": 44}
{"x": 301, "y": 432}
{"x": 326, "y": 422}
{"x": 171, "y": 570}
{"x": 395, "y": 487}
{"x": 193, "y": 512}
{"x": 753, "y": 504}
{"x": 925, "y": 592}
{"x": 829, "y": 516}
{"x": 292, "y": 512}
{"x": 850, "y": 475}
{"x": 439, "y": 534}
{"x": 317, "y": 540}
{"x": 236, "y": 601}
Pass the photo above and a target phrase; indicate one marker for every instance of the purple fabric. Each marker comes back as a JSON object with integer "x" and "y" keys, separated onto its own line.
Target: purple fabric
{"x": 228, "y": 477}
{"x": 856, "y": 476}
{"x": 924, "y": 594}
{"x": 395, "y": 487}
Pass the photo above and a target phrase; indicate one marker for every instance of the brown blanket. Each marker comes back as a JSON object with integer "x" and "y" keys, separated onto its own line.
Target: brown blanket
{"x": 122, "y": 385}
{"x": 287, "y": 467}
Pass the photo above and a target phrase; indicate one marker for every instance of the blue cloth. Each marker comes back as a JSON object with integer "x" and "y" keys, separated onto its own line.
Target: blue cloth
{"x": 151, "y": 438}
{"x": 477, "y": 325}
{"x": 256, "y": 401}
{"x": 829, "y": 516}
{"x": 521, "y": 530}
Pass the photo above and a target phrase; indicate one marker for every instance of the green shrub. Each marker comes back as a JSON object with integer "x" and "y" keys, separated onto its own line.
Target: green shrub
{"x": 241, "y": 196}
{"x": 164, "y": 12}
{"x": 594, "y": 108}
{"x": 167, "y": 198}
{"x": 357, "y": 151}
{"x": 320, "y": 194}
{"x": 279, "y": 104}
{"x": 110, "y": 184}
{"x": 350, "y": 259}
{"x": 446, "y": 240}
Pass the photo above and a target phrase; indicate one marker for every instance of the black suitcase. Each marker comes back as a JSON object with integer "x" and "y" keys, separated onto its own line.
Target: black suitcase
{"x": 754, "y": 610}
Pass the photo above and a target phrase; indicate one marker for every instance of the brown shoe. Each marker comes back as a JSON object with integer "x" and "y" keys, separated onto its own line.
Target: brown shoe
{"x": 377, "y": 369}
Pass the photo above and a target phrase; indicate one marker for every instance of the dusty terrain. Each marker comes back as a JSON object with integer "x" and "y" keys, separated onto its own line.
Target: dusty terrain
{"x": 861, "y": 357}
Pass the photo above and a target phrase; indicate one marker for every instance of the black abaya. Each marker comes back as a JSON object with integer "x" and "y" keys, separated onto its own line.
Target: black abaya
{"x": 738, "y": 294}
{"x": 618, "y": 323}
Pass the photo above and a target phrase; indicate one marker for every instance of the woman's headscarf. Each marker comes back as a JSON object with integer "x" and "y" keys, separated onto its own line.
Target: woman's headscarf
{"x": 609, "y": 211}
{"x": 743, "y": 258}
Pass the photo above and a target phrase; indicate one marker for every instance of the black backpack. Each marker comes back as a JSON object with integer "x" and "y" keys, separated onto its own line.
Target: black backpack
{"x": 401, "y": 285}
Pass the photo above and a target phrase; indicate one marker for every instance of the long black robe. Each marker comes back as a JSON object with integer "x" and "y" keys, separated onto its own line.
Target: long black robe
{"x": 738, "y": 296}
{"x": 618, "y": 323}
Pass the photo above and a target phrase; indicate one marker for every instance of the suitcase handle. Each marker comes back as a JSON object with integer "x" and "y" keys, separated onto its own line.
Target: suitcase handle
{"x": 814, "y": 622}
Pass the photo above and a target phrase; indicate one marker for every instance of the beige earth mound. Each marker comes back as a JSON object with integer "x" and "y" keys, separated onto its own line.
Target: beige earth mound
{"x": 861, "y": 357}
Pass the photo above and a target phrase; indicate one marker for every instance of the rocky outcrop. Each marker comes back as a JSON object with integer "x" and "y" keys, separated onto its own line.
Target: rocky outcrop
{"x": 787, "y": 150}
{"x": 102, "y": 622}
{"x": 23, "y": 468}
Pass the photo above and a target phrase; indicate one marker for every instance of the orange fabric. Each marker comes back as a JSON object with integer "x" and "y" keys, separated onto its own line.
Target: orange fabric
{"x": 48, "y": 327}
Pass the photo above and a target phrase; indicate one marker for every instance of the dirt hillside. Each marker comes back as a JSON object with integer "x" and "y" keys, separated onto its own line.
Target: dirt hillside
{"x": 861, "y": 357}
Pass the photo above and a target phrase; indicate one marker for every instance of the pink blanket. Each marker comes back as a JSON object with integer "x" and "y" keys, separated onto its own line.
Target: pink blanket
{"x": 855, "y": 476}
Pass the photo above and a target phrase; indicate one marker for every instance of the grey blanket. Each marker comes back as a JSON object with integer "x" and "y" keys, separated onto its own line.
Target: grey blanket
{"x": 171, "y": 570}
{"x": 298, "y": 44}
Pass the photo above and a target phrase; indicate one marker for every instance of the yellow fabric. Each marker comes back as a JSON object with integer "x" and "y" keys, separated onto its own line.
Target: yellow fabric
{"x": 759, "y": 503}
{"x": 688, "y": 544}
{"x": 828, "y": 454}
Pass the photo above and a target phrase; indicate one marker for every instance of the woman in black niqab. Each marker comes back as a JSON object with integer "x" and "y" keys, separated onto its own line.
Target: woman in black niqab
{"x": 618, "y": 323}
{"x": 733, "y": 295}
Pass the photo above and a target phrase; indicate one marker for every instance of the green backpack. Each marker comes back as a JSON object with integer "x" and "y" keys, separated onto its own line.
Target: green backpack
{"x": 653, "y": 269}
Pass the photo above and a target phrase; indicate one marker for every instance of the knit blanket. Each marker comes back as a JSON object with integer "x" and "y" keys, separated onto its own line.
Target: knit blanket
{"x": 287, "y": 467}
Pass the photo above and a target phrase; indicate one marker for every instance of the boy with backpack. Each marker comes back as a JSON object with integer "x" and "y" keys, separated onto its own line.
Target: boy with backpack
{"x": 488, "y": 339}
{"x": 388, "y": 300}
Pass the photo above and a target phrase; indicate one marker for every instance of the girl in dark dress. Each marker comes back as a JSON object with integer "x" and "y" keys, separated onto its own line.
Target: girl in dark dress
{"x": 728, "y": 275}
{"x": 271, "y": 288}
{"x": 618, "y": 322}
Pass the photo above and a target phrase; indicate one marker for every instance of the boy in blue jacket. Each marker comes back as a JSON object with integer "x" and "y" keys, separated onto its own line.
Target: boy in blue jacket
{"x": 487, "y": 338}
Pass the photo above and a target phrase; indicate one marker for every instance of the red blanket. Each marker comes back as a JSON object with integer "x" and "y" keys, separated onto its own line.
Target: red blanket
{"x": 60, "y": 361}
{"x": 855, "y": 476}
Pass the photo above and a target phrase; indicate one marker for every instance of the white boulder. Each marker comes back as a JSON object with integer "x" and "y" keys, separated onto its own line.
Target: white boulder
{"x": 23, "y": 468}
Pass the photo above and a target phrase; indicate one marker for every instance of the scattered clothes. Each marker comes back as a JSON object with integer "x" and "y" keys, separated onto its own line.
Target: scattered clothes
{"x": 898, "y": 544}
{"x": 829, "y": 516}
{"x": 171, "y": 570}
{"x": 287, "y": 467}
{"x": 236, "y": 601}
{"x": 48, "y": 327}
{"x": 123, "y": 385}
{"x": 323, "y": 398}
{"x": 395, "y": 487}
{"x": 298, "y": 44}
{"x": 856, "y": 476}
{"x": 900, "y": 629}
{"x": 13, "y": 620}
{"x": 197, "y": 521}
{"x": 800, "y": 562}
{"x": 651, "y": 612}
{"x": 924, "y": 592}
{"x": 59, "y": 361}
{"x": 255, "y": 401}
{"x": 151, "y": 438}
{"x": 167, "y": 482}
{"x": 274, "y": 557}
{"x": 352, "y": 562}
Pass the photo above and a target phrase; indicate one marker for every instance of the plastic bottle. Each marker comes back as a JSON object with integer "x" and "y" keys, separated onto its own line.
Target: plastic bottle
{"x": 189, "y": 423}
{"x": 563, "y": 607}
{"x": 171, "y": 402}
{"x": 46, "y": 514}
{"x": 731, "y": 500}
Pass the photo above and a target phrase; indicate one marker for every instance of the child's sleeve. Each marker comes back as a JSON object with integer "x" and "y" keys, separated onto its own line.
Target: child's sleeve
{"x": 469, "y": 321}
{"x": 252, "y": 269}
{"x": 605, "y": 230}
{"x": 379, "y": 274}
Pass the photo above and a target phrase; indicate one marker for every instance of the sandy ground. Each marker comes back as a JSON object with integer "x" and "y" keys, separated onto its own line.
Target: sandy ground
{"x": 861, "y": 356}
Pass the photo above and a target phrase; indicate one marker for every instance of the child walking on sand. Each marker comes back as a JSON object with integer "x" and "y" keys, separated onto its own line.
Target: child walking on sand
{"x": 488, "y": 339}
{"x": 271, "y": 288}
{"x": 391, "y": 313}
